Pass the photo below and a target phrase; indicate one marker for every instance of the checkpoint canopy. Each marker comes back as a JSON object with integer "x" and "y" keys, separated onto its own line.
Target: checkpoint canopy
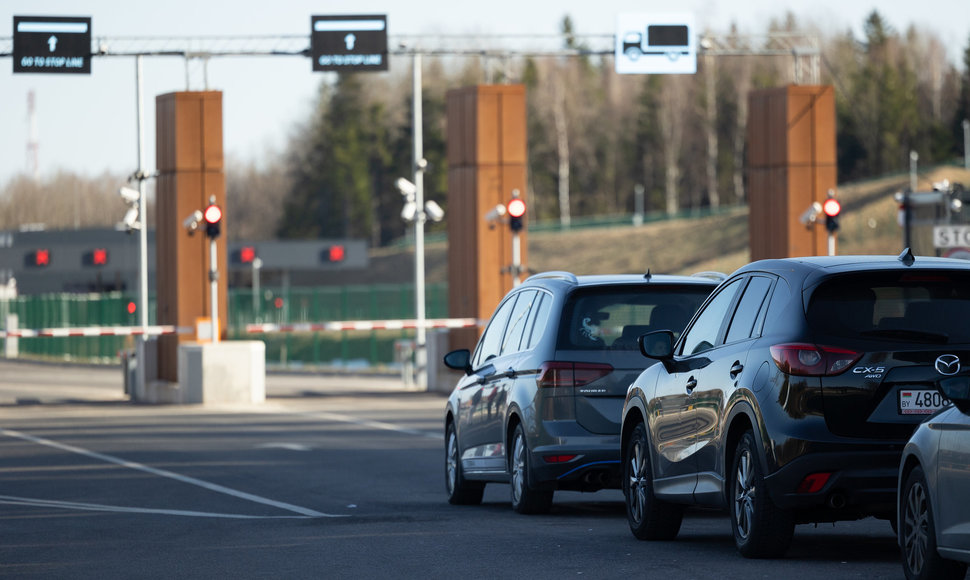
{"x": 52, "y": 44}
{"x": 349, "y": 43}
{"x": 655, "y": 44}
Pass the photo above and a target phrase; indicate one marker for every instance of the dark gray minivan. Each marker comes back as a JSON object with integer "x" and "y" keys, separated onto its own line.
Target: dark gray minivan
{"x": 540, "y": 403}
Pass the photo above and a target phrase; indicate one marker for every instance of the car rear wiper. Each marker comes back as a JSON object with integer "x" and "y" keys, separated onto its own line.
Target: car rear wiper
{"x": 908, "y": 334}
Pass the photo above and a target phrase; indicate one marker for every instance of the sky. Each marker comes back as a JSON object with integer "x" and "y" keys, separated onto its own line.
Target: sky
{"x": 88, "y": 123}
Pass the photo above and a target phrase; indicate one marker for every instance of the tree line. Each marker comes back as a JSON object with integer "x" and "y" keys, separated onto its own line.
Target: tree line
{"x": 594, "y": 137}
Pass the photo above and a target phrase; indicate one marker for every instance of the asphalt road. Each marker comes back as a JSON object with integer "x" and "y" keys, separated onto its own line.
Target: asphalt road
{"x": 330, "y": 478}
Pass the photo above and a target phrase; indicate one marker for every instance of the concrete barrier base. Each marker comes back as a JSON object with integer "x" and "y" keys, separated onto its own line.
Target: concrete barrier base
{"x": 224, "y": 372}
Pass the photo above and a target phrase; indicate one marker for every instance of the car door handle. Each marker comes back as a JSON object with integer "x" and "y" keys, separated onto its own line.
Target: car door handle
{"x": 691, "y": 385}
{"x": 510, "y": 374}
{"x": 736, "y": 369}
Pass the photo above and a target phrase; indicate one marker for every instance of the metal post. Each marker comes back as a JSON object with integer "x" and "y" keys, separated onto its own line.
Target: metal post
{"x": 913, "y": 158}
{"x": 142, "y": 208}
{"x": 831, "y": 243}
{"x": 638, "y": 191}
{"x": 257, "y": 266}
{"x": 966, "y": 144}
{"x": 420, "y": 350}
{"x": 213, "y": 291}
{"x": 516, "y": 259}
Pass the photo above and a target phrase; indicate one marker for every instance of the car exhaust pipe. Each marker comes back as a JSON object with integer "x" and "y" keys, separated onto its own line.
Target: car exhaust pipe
{"x": 837, "y": 501}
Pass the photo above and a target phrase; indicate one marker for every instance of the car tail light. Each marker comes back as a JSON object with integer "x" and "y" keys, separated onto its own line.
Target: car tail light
{"x": 558, "y": 458}
{"x": 813, "y": 482}
{"x": 568, "y": 374}
{"x": 810, "y": 360}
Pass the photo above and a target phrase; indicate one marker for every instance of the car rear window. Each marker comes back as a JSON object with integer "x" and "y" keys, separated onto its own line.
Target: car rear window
{"x": 918, "y": 306}
{"x": 613, "y": 317}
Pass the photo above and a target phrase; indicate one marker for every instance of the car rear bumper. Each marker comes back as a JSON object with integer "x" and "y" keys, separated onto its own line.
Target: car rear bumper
{"x": 596, "y": 464}
{"x": 861, "y": 483}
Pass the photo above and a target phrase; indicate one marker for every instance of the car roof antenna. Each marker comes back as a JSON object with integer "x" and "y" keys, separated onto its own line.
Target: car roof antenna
{"x": 906, "y": 257}
{"x": 647, "y": 275}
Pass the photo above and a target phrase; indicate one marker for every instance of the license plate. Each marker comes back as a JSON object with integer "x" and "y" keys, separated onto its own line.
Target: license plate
{"x": 921, "y": 401}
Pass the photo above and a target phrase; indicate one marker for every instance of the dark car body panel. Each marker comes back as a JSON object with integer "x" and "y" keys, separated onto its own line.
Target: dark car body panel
{"x": 848, "y": 423}
{"x": 572, "y": 429}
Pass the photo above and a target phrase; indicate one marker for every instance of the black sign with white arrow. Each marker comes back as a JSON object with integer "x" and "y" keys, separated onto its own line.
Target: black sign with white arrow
{"x": 52, "y": 44}
{"x": 349, "y": 43}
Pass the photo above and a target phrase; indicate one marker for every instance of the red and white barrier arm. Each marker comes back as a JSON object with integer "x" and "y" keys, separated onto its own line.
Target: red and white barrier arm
{"x": 96, "y": 331}
{"x": 362, "y": 325}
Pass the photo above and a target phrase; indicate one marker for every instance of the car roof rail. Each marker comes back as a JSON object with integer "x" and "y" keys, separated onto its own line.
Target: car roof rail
{"x": 555, "y": 275}
{"x": 713, "y": 275}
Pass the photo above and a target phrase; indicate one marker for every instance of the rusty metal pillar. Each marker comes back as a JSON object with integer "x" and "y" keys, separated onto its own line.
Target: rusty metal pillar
{"x": 189, "y": 158}
{"x": 791, "y": 163}
{"x": 487, "y": 157}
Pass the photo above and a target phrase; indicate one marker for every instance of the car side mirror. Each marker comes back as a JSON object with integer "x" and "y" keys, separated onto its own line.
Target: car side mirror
{"x": 460, "y": 360}
{"x": 658, "y": 344}
{"x": 957, "y": 389}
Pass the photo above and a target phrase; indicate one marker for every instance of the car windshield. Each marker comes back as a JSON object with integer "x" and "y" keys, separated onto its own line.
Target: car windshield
{"x": 921, "y": 307}
{"x": 613, "y": 317}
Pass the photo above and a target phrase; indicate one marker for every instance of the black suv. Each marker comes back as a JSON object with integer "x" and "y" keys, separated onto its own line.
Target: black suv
{"x": 790, "y": 395}
{"x": 539, "y": 405}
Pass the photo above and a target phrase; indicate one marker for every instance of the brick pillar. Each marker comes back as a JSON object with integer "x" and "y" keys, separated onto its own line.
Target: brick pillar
{"x": 791, "y": 163}
{"x": 487, "y": 157}
{"x": 190, "y": 165}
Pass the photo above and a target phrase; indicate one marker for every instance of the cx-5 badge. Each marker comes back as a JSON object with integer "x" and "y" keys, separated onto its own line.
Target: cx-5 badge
{"x": 947, "y": 364}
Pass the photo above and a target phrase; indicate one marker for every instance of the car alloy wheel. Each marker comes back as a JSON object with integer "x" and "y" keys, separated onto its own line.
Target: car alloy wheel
{"x": 649, "y": 517}
{"x": 460, "y": 490}
{"x": 761, "y": 529}
{"x": 917, "y": 534}
{"x": 525, "y": 500}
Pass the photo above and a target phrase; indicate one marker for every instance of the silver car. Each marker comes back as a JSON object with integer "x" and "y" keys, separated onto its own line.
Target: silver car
{"x": 934, "y": 478}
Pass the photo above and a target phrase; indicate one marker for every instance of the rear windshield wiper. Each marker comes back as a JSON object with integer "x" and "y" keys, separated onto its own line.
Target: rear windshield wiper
{"x": 905, "y": 333}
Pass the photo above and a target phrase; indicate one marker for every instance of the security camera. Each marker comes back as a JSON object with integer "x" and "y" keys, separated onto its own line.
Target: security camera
{"x": 406, "y": 187}
{"x": 408, "y": 211}
{"x": 422, "y": 164}
{"x": 434, "y": 211}
{"x": 129, "y": 195}
{"x": 192, "y": 222}
{"x": 496, "y": 213}
{"x": 131, "y": 219}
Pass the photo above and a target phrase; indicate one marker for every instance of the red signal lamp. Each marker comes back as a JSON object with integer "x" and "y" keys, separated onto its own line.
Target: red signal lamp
{"x": 516, "y": 207}
{"x": 831, "y": 207}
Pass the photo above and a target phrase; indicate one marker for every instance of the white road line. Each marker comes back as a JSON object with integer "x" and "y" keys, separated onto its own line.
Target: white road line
{"x": 169, "y": 474}
{"x": 94, "y": 507}
{"x": 369, "y": 423}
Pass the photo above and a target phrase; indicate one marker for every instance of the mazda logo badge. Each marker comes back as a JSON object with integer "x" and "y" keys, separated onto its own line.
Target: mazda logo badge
{"x": 947, "y": 364}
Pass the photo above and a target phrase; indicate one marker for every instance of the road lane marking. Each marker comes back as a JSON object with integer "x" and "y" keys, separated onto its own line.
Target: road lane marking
{"x": 370, "y": 423}
{"x": 170, "y": 475}
{"x": 94, "y": 507}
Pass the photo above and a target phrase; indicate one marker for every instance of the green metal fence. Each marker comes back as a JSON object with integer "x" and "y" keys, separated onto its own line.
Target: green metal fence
{"x": 272, "y": 305}
{"x": 332, "y": 303}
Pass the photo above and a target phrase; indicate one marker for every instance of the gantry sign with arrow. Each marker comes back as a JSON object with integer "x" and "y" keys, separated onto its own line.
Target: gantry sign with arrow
{"x": 51, "y": 44}
{"x": 349, "y": 43}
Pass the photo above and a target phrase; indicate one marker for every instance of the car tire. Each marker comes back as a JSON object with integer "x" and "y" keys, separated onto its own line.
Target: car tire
{"x": 525, "y": 499}
{"x": 761, "y": 529}
{"x": 460, "y": 490}
{"x": 649, "y": 517}
{"x": 917, "y": 534}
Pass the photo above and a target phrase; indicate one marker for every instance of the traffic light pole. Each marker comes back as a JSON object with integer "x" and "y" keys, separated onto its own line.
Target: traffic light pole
{"x": 516, "y": 259}
{"x": 213, "y": 290}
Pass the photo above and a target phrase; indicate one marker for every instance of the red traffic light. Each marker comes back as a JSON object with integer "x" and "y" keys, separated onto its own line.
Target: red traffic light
{"x": 212, "y": 214}
{"x": 334, "y": 254}
{"x": 831, "y": 207}
{"x": 132, "y": 307}
{"x": 99, "y": 257}
{"x": 247, "y": 254}
{"x": 516, "y": 207}
{"x": 42, "y": 258}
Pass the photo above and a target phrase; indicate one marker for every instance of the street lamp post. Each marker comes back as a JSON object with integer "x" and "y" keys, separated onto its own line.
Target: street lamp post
{"x": 419, "y": 164}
